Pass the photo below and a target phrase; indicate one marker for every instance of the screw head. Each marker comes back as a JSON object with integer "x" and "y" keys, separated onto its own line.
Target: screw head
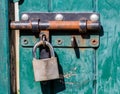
{"x": 94, "y": 17}
{"x": 25, "y": 41}
{"x": 59, "y": 41}
{"x": 59, "y": 17}
{"x": 25, "y": 17}
{"x": 94, "y": 41}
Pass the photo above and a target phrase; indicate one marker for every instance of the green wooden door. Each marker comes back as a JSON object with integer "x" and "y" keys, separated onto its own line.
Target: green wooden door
{"x": 78, "y": 71}
{"x": 4, "y": 49}
{"x": 109, "y": 51}
{"x": 85, "y": 70}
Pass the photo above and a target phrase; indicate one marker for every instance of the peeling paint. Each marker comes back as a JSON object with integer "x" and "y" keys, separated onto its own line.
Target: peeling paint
{"x": 69, "y": 75}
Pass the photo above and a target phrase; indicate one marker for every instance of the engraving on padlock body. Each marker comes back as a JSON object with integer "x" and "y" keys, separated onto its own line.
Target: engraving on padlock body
{"x": 45, "y": 69}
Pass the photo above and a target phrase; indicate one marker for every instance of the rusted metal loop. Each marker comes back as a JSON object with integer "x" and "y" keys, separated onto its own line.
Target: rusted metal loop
{"x": 43, "y": 38}
{"x": 42, "y": 43}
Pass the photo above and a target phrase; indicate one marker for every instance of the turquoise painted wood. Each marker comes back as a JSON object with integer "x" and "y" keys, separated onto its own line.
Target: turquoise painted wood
{"x": 77, "y": 68}
{"x": 108, "y": 54}
{"x": 4, "y": 49}
{"x": 94, "y": 71}
{"x": 57, "y": 5}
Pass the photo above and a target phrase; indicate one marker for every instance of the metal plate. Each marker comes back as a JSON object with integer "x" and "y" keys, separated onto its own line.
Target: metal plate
{"x": 91, "y": 39}
{"x": 60, "y": 41}
{"x": 45, "y": 17}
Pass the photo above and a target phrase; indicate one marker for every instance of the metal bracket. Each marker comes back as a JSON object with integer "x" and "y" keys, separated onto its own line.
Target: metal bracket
{"x": 85, "y": 28}
{"x": 58, "y": 21}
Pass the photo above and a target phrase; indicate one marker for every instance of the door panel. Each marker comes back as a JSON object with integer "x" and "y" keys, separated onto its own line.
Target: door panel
{"x": 76, "y": 65}
{"x": 71, "y": 5}
{"x": 35, "y": 5}
{"x": 109, "y": 51}
{"x": 78, "y": 73}
{"x": 57, "y": 5}
{"x": 85, "y": 70}
{"x": 4, "y": 49}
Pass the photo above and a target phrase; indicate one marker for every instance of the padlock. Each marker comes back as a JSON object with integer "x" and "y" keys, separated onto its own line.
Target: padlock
{"x": 45, "y": 69}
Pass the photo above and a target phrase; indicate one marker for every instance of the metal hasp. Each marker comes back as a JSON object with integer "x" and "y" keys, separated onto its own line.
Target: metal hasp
{"x": 84, "y": 27}
{"x": 58, "y": 21}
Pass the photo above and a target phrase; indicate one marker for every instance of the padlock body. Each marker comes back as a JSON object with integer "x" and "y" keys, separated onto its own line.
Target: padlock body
{"x": 45, "y": 69}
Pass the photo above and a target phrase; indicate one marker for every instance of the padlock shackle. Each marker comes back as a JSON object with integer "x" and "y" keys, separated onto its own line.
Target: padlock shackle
{"x": 41, "y": 43}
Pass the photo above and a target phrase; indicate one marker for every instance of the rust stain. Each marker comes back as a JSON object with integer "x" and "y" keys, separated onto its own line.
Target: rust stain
{"x": 12, "y": 25}
{"x": 82, "y": 41}
{"x": 82, "y": 49}
{"x": 46, "y": 32}
{"x": 20, "y": 25}
{"x": 89, "y": 24}
{"x": 58, "y": 25}
{"x": 71, "y": 25}
{"x": 94, "y": 41}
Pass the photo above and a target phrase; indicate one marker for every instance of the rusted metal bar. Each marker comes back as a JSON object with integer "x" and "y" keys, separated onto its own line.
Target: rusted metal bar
{"x": 56, "y": 25}
{"x": 21, "y": 25}
{"x": 66, "y": 25}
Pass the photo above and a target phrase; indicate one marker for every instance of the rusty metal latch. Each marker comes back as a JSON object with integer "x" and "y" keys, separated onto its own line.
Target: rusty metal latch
{"x": 61, "y": 29}
{"x": 58, "y": 21}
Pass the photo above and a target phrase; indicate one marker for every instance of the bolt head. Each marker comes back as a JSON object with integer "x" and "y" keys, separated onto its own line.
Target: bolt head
{"x": 59, "y": 41}
{"x": 59, "y": 17}
{"x": 94, "y": 41}
{"x": 25, "y": 41}
{"x": 25, "y": 17}
{"x": 94, "y": 17}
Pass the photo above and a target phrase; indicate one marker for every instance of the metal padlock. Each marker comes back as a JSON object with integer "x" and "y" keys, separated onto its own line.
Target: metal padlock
{"x": 45, "y": 69}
